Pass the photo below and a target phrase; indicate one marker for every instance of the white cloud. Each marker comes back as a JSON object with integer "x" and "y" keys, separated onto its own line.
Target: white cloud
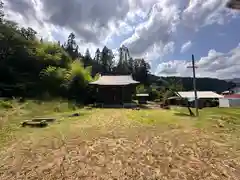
{"x": 157, "y": 31}
{"x": 215, "y": 64}
{"x": 35, "y": 19}
{"x": 186, "y": 46}
{"x": 153, "y": 24}
{"x": 158, "y": 51}
{"x": 200, "y": 13}
{"x": 167, "y": 16}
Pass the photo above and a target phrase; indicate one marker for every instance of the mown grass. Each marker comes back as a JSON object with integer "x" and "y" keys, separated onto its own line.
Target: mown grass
{"x": 120, "y": 143}
{"x": 12, "y": 113}
{"x": 178, "y": 115}
{"x": 208, "y": 117}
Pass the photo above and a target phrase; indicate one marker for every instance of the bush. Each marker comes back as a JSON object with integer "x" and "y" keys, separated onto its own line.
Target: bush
{"x": 54, "y": 80}
{"x": 154, "y": 94}
{"x": 141, "y": 89}
{"x": 78, "y": 79}
{"x": 6, "y": 104}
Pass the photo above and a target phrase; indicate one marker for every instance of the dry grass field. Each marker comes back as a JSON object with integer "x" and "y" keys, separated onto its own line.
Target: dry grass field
{"x": 119, "y": 144}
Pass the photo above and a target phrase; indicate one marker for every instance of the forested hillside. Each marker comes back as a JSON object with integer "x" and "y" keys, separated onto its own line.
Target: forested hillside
{"x": 203, "y": 84}
{"x": 32, "y": 68}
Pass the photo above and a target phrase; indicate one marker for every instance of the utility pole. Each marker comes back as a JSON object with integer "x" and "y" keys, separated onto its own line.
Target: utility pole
{"x": 194, "y": 84}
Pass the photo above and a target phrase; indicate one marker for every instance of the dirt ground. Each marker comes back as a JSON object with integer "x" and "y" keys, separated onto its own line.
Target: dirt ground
{"x": 123, "y": 144}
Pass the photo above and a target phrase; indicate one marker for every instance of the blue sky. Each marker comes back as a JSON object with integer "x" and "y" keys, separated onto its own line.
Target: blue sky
{"x": 164, "y": 32}
{"x": 222, "y": 38}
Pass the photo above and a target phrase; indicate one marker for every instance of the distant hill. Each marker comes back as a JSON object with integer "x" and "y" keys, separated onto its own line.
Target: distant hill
{"x": 235, "y": 80}
{"x": 203, "y": 84}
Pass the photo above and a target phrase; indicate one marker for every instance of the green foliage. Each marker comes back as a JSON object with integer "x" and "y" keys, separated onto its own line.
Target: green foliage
{"x": 141, "y": 89}
{"x": 77, "y": 72}
{"x": 1, "y": 11}
{"x": 54, "y": 78}
{"x": 203, "y": 84}
{"x": 52, "y": 54}
{"x": 171, "y": 87}
{"x": 49, "y": 52}
{"x": 78, "y": 79}
{"x": 96, "y": 77}
{"x": 155, "y": 94}
{"x": 33, "y": 68}
{"x": 5, "y": 104}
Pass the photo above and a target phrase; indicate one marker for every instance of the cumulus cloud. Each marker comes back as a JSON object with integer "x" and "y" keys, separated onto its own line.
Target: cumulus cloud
{"x": 167, "y": 16}
{"x": 200, "y": 13}
{"x": 91, "y": 20}
{"x": 215, "y": 64}
{"x": 149, "y": 27}
{"x": 157, "y": 31}
{"x": 186, "y": 46}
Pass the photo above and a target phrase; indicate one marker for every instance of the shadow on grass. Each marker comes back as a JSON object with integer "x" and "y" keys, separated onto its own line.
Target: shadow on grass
{"x": 182, "y": 114}
{"x": 143, "y": 106}
{"x": 116, "y": 106}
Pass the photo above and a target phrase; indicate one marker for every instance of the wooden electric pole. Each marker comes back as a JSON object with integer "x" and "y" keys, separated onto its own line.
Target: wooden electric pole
{"x": 194, "y": 84}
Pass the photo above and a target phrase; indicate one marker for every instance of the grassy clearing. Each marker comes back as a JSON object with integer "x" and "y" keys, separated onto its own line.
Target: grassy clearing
{"x": 13, "y": 113}
{"x": 123, "y": 144}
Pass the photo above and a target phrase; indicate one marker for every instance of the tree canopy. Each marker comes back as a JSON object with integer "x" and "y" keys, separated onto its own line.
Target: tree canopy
{"x": 31, "y": 67}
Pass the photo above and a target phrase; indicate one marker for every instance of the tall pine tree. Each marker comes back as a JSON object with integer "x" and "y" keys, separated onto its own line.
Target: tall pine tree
{"x": 97, "y": 57}
{"x": 123, "y": 66}
{"x": 71, "y": 46}
{"x": 1, "y": 12}
{"x": 107, "y": 60}
{"x": 87, "y": 60}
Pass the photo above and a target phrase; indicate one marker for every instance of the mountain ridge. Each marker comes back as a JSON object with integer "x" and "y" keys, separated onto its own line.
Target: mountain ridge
{"x": 203, "y": 83}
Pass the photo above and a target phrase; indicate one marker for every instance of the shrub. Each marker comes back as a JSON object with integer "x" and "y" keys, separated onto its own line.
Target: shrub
{"x": 6, "y": 104}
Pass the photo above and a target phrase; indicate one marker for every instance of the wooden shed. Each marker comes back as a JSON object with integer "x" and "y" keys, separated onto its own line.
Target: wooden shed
{"x": 115, "y": 89}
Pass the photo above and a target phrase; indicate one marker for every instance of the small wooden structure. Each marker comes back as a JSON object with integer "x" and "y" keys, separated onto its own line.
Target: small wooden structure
{"x": 142, "y": 98}
{"x": 115, "y": 90}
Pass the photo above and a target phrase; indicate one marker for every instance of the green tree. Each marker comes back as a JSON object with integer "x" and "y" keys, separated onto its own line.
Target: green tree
{"x": 107, "y": 60}
{"x": 78, "y": 80}
{"x": 71, "y": 46}
{"x": 97, "y": 57}
{"x": 28, "y": 33}
{"x": 141, "y": 89}
{"x": 53, "y": 55}
{"x": 87, "y": 60}
{"x": 54, "y": 80}
{"x": 1, "y": 12}
{"x": 141, "y": 71}
{"x": 125, "y": 63}
{"x": 171, "y": 88}
{"x": 30, "y": 67}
